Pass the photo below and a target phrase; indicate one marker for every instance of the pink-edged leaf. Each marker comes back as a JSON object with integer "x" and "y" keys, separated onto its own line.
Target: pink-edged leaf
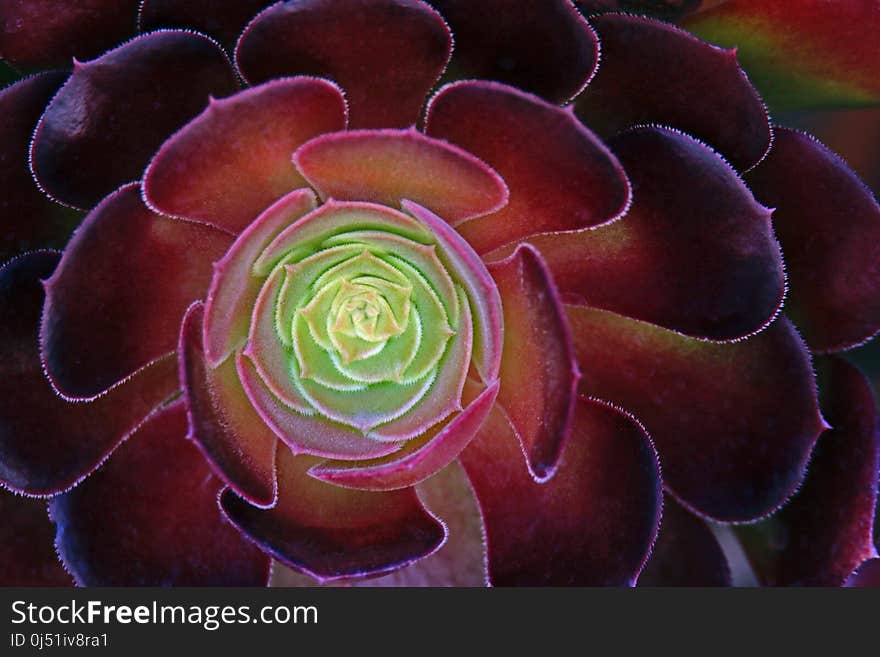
{"x": 479, "y": 286}
{"x": 801, "y": 53}
{"x": 307, "y": 433}
{"x": 37, "y": 34}
{"x": 828, "y": 223}
{"x": 825, "y": 532}
{"x": 420, "y": 458}
{"x": 234, "y": 288}
{"x": 27, "y": 544}
{"x": 652, "y": 72}
{"x": 867, "y": 574}
{"x": 233, "y": 160}
{"x": 536, "y": 147}
{"x": 686, "y": 552}
{"x": 461, "y": 561}
{"x": 222, "y": 421}
{"x": 30, "y": 220}
{"x": 734, "y": 423}
{"x": 591, "y": 524}
{"x": 222, "y": 19}
{"x": 385, "y": 54}
{"x": 539, "y": 374}
{"x": 126, "y": 102}
{"x": 48, "y": 444}
{"x": 331, "y": 532}
{"x": 115, "y": 302}
{"x": 149, "y": 517}
{"x": 695, "y": 253}
{"x": 545, "y": 48}
{"x": 387, "y": 166}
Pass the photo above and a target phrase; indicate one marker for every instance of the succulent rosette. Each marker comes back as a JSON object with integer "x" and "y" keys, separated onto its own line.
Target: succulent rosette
{"x": 393, "y": 291}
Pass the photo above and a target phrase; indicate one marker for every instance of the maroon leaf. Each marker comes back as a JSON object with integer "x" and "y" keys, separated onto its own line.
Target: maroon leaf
{"x": 222, "y": 19}
{"x": 545, "y": 48}
{"x": 824, "y": 533}
{"x": 652, "y": 72}
{"x": 829, "y": 225}
{"x": 592, "y": 523}
{"x": 331, "y": 532}
{"x": 461, "y": 561}
{"x": 30, "y": 220}
{"x": 734, "y": 423}
{"x": 37, "y": 34}
{"x": 27, "y": 544}
{"x": 48, "y": 444}
{"x": 250, "y": 137}
{"x": 665, "y": 9}
{"x": 535, "y": 146}
{"x": 695, "y": 253}
{"x": 539, "y": 374}
{"x": 126, "y": 102}
{"x": 868, "y": 574}
{"x": 686, "y": 552}
{"x": 385, "y": 54}
{"x": 115, "y": 302}
{"x": 222, "y": 421}
{"x": 149, "y": 517}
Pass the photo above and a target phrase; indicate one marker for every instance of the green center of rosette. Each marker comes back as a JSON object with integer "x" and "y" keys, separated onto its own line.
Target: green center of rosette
{"x": 362, "y": 323}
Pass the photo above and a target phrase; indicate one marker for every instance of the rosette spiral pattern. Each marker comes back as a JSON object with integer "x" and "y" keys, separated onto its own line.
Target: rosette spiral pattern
{"x": 428, "y": 289}
{"x": 356, "y": 316}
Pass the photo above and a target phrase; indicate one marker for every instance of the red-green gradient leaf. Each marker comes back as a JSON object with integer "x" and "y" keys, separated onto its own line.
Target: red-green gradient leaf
{"x": 695, "y": 253}
{"x": 234, "y": 290}
{"x": 801, "y": 53}
{"x": 233, "y": 160}
{"x": 418, "y": 459}
{"x": 734, "y": 423}
{"x": 306, "y": 434}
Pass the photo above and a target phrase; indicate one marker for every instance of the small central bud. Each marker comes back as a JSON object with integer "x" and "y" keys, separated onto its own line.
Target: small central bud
{"x": 362, "y": 312}
{"x": 366, "y": 312}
